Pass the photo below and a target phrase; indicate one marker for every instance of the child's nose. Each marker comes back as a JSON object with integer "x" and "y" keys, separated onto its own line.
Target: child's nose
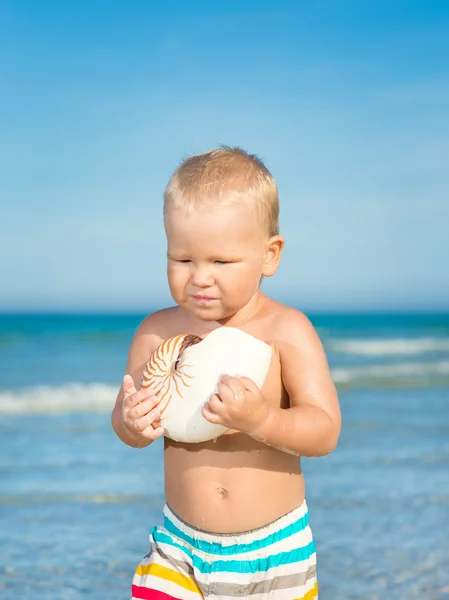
{"x": 201, "y": 277}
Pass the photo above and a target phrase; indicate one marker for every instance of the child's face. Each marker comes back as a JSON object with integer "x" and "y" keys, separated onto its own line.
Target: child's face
{"x": 216, "y": 259}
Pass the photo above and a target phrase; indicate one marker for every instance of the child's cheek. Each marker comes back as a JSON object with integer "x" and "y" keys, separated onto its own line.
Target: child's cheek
{"x": 177, "y": 279}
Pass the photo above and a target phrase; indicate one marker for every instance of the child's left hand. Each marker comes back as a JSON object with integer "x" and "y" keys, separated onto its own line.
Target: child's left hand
{"x": 239, "y": 404}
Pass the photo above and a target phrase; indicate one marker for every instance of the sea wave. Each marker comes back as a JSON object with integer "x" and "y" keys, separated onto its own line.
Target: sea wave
{"x": 73, "y": 397}
{"x": 39, "y": 498}
{"x": 389, "y": 346}
{"x": 393, "y": 375}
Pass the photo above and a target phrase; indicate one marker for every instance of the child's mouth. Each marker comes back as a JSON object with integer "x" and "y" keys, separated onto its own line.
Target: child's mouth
{"x": 201, "y": 298}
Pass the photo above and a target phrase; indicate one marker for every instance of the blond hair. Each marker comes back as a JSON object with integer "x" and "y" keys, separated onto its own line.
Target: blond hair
{"x": 224, "y": 176}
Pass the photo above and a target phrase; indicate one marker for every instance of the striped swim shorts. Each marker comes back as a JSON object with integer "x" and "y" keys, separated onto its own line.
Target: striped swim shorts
{"x": 277, "y": 561}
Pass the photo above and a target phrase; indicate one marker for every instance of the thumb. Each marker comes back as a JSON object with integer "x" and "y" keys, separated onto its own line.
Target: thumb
{"x": 128, "y": 385}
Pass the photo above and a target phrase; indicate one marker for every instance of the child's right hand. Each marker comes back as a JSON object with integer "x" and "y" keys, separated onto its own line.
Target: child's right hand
{"x": 139, "y": 411}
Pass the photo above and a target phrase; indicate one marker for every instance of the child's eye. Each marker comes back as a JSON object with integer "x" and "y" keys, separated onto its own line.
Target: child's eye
{"x": 222, "y": 262}
{"x": 185, "y": 260}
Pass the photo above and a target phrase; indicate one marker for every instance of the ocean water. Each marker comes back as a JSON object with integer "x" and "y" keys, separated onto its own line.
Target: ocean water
{"x": 76, "y": 504}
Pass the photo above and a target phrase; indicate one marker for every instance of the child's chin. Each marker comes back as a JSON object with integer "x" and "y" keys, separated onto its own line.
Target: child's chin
{"x": 208, "y": 315}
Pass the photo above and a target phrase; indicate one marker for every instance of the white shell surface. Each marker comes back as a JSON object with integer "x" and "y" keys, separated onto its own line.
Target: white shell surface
{"x": 183, "y": 392}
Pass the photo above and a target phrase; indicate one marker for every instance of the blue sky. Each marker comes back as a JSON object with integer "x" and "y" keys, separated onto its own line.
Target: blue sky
{"x": 346, "y": 101}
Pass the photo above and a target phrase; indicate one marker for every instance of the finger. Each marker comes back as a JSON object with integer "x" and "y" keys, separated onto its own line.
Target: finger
{"x": 211, "y": 416}
{"x": 215, "y": 404}
{"x": 138, "y": 397}
{"x": 225, "y": 394}
{"x": 158, "y": 432}
{"x": 128, "y": 386}
{"x": 248, "y": 384}
{"x": 235, "y": 385}
{"x": 147, "y": 420}
{"x": 153, "y": 434}
{"x": 139, "y": 409}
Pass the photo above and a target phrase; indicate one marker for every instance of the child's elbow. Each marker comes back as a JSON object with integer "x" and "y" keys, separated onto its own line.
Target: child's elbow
{"x": 330, "y": 447}
{"x": 330, "y": 441}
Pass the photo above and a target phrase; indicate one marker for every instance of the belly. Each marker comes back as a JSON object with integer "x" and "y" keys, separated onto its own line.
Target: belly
{"x": 231, "y": 485}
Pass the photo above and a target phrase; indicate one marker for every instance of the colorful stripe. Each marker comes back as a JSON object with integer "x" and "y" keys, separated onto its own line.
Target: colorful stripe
{"x": 312, "y": 594}
{"x": 239, "y": 566}
{"x": 169, "y": 575}
{"x": 220, "y": 549}
{"x": 143, "y": 593}
{"x": 277, "y": 561}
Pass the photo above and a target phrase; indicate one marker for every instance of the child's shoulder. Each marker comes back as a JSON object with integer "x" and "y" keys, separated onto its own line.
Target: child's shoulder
{"x": 289, "y": 325}
{"x": 154, "y": 329}
{"x": 162, "y": 323}
{"x": 285, "y": 318}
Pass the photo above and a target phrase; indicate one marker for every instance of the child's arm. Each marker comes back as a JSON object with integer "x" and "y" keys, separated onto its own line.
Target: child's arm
{"x": 311, "y": 426}
{"x": 134, "y": 418}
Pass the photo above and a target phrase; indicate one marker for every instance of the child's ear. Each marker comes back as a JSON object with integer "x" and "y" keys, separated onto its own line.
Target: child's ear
{"x": 273, "y": 252}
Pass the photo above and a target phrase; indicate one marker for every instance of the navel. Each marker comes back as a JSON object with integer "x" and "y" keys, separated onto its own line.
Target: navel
{"x": 222, "y": 492}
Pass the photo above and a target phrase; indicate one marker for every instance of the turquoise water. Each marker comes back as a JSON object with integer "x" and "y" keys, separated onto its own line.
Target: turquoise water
{"x": 76, "y": 504}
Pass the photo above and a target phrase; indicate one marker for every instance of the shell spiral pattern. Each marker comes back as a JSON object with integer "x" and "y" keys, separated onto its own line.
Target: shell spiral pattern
{"x": 167, "y": 372}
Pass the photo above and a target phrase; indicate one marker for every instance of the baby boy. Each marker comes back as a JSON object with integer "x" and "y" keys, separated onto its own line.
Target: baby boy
{"x": 235, "y": 519}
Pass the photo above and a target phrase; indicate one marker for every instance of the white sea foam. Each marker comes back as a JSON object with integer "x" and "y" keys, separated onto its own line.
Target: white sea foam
{"x": 389, "y": 347}
{"x": 74, "y": 397}
{"x": 393, "y": 373}
{"x": 71, "y": 397}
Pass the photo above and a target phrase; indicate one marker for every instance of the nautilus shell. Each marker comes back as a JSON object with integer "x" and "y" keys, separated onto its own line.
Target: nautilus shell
{"x": 184, "y": 372}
